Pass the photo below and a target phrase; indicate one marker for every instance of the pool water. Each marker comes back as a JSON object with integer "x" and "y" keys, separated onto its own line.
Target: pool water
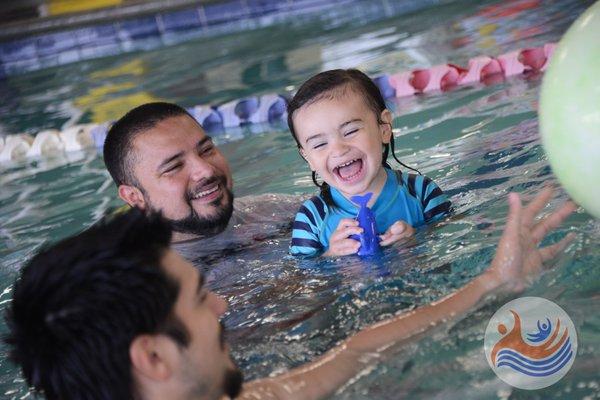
{"x": 477, "y": 142}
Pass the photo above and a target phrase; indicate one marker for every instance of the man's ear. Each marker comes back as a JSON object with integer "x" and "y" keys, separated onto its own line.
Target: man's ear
{"x": 386, "y": 118}
{"x": 303, "y": 155}
{"x": 153, "y": 357}
{"x": 132, "y": 196}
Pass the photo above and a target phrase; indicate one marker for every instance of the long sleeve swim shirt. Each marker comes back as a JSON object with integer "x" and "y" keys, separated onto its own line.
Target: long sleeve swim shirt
{"x": 412, "y": 198}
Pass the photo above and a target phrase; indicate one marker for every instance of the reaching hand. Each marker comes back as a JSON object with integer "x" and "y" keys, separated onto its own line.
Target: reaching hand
{"x": 518, "y": 256}
{"x": 399, "y": 230}
{"x": 340, "y": 244}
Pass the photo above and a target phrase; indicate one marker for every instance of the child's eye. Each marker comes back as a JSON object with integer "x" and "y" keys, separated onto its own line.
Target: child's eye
{"x": 318, "y": 145}
{"x": 350, "y": 132}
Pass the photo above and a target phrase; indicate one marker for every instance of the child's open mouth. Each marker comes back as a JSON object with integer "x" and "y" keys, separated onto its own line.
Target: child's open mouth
{"x": 350, "y": 170}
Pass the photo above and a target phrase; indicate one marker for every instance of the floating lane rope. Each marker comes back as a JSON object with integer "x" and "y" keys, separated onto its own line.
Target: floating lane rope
{"x": 16, "y": 146}
{"x": 272, "y": 107}
{"x": 45, "y": 142}
{"x": 479, "y": 69}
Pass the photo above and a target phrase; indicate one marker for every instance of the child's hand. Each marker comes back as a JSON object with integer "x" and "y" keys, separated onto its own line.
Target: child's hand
{"x": 399, "y": 230}
{"x": 340, "y": 244}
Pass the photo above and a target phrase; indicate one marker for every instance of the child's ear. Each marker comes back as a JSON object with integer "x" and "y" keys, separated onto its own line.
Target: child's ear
{"x": 386, "y": 126}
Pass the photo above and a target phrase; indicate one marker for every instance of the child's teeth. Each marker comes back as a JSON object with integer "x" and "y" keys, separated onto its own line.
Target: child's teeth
{"x": 346, "y": 164}
{"x": 349, "y": 169}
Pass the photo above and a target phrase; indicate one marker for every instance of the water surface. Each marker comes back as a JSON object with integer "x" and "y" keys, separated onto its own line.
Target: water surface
{"x": 477, "y": 142}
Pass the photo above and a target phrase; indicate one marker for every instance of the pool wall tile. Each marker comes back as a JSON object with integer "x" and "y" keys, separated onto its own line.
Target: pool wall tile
{"x": 55, "y": 43}
{"x": 67, "y": 57}
{"x": 181, "y": 20}
{"x": 258, "y": 8}
{"x": 104, "y": 50}
{"x": 224, "y": 12}
{"x": 149, "y": 32}
{"x": 148, "y": 43}
{"x": 22, "y": 66}
{"x": 49, "y": 61}
{"x": 103, "y": 34}
{"x": 18, "y": 50}
{"x": 139, "y": 28}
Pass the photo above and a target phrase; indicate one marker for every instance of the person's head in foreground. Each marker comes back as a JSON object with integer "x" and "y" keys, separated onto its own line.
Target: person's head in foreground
{"x": 343, "y": 130}
{"x": 113, "y": 313}
{"x": 161, "y": 159}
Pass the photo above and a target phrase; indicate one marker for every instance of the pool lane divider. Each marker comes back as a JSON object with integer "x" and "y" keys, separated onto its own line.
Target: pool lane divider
{"x": 479, "y": 69}
{"x": 270, "y": 108}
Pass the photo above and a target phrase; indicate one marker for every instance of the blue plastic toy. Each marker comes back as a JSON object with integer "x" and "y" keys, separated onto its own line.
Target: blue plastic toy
{"x": 369, "y": 240}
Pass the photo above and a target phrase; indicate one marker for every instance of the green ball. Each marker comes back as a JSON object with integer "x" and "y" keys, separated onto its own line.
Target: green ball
{"x": 570, "y": 111}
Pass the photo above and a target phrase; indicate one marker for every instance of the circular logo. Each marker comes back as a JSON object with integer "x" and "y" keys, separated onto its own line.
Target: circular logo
{"x": 530, "y": 343}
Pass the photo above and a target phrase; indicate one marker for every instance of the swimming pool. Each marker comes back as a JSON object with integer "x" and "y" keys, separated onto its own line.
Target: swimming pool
{"x": 477, "y": 142}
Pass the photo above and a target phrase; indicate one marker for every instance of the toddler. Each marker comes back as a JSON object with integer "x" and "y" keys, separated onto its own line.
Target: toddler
{"x": 344, "y": 132}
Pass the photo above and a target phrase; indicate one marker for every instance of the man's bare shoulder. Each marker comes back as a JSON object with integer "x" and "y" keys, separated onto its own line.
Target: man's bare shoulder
{"x": 254, "y": 219}
{"x": 270, "y": 206}
{"x": 271, "y": 198}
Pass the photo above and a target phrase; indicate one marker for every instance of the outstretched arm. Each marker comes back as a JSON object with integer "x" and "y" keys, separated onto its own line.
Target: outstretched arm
{"x": 517, "y": 259}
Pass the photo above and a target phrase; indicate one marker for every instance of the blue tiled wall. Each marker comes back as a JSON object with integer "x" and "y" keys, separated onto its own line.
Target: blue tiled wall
{"x": 181, "y": 20}
{"x": 140, "y": 28}
{"x": 148, "y": 32}
{"x": 217, "y": 13}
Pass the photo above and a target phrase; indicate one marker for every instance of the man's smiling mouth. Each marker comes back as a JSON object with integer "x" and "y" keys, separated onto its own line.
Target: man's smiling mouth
{"x": 207, "y": 193}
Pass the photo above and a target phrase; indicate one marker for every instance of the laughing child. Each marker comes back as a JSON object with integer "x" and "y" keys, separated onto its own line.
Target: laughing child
{"x": 344, "y": 132}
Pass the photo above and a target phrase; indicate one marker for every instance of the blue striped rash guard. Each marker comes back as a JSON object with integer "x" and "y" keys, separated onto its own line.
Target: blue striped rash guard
{"x": 412, "y": 198}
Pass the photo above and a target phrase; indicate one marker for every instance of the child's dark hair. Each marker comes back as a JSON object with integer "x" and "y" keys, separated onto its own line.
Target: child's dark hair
{"x": 322, "y": 86}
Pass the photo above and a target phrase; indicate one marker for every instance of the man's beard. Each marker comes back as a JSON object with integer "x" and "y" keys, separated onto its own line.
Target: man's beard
{"x": 233, "y": 377}
{"x": 232, "y": 383}
{"x": 205, "y": 226}
{"x": 209, "y": 225}
{"x": 231, "y": 386}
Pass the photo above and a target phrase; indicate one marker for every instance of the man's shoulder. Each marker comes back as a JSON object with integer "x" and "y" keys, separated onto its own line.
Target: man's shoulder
{"x": 246, "y": 202}
{"x": 268, "y": 206}
{"x": 261, "y": 216}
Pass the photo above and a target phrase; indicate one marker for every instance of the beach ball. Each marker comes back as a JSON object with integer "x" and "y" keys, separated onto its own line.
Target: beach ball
{"x": 570, "y": 111}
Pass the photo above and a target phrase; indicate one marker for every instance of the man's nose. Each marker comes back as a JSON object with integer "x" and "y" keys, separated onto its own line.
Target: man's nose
{"x": 200, "y": 168}
{"x": 219, "y": 305}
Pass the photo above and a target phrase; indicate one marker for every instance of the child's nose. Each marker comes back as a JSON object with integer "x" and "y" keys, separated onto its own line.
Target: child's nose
{"x": 339, "y": 148}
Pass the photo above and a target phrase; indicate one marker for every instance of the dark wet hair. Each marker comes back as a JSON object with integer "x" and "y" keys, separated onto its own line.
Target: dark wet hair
{"x": 79, "y": 304}
{"x": 118, "y": 156}
{"x": 323, "y": 85}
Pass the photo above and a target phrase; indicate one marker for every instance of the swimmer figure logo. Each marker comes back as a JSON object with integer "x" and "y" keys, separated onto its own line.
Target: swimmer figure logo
{"x": 539, "y": 347}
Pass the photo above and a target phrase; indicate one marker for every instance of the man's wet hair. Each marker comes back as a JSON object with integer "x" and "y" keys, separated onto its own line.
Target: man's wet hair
{"x": 333, "y": 84}
{"x": 118, "y": 154}
{"x": 79, "y": 304}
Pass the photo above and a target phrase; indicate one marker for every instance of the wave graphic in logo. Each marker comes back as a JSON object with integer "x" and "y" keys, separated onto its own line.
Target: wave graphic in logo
{"x": 542, "y": 355}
